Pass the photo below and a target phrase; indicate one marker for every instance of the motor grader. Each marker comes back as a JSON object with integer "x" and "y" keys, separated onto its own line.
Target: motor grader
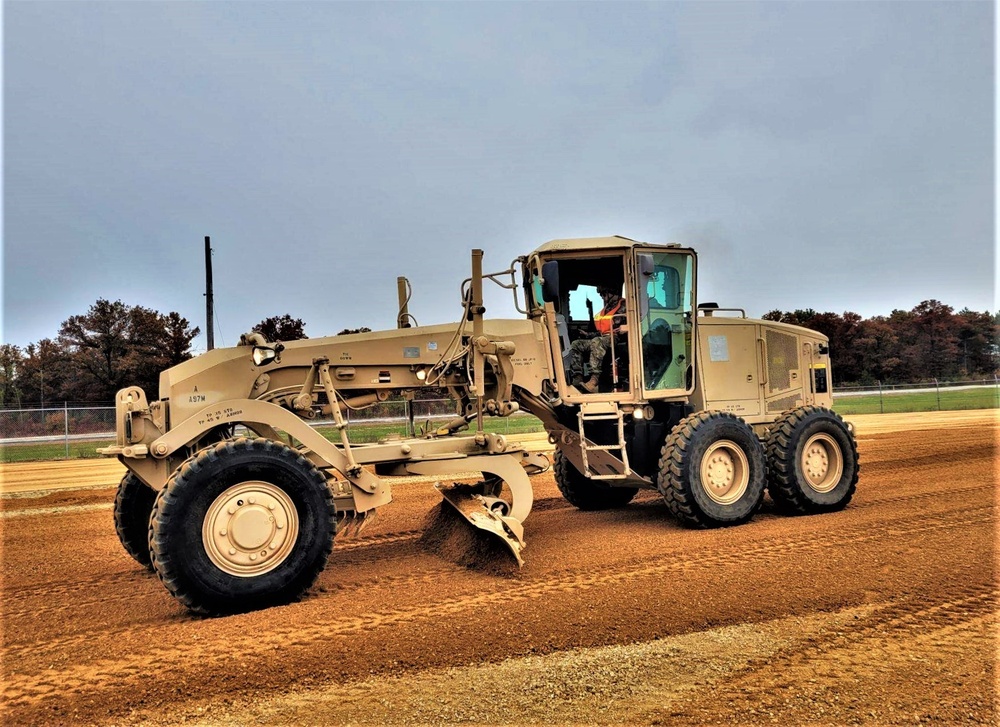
{"x": 234, "y": 498}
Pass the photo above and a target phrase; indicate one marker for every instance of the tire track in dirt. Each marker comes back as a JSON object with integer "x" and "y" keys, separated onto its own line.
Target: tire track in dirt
{"x": 52, "y": 591}
{"x": 364, "y": 549}
{"x": 59, "y": 510}
{"x": 386, "y": 607}
{"x": 19, "y": 691}
{"x": 755, "y": 691}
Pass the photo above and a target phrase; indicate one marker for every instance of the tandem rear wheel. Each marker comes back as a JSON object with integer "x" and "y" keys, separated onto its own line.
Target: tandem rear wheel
{"x": 712, "y": 470}
{"x": 812, "y": 461}
{"x": 243, "y": 524}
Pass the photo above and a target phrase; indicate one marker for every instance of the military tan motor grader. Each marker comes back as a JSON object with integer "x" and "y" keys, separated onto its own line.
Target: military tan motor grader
{"x": 233, "y": 498}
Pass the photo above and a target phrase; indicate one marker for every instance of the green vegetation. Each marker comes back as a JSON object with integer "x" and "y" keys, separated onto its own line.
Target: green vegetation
{"x": 361, "y": 433}
{"x": 51, "y": 450}
{"x": 930, "y": 400}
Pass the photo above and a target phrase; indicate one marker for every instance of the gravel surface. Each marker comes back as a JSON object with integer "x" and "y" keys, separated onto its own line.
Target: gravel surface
{"x": 885, "y": 613}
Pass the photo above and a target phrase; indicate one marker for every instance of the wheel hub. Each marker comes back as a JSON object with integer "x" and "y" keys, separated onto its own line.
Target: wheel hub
{"x": 250, "y": 528}
{"x": 822, "y": 462}
{"x": 725, "y": 472}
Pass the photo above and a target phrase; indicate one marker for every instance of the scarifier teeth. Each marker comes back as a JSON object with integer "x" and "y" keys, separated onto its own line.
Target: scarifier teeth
{"x": 350, "y": 523}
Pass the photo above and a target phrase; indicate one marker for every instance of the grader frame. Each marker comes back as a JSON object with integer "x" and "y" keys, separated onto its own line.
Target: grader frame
{"x": 700, "y": 407}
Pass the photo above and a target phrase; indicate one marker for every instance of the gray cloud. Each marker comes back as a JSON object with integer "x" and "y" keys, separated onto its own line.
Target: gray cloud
{"x": 837, "y": 156}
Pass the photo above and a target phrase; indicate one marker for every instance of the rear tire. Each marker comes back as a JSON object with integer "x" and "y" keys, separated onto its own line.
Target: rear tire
{"x": 812, "y": 461}
{"x": 133, "y": 505}
{"x": 712, "y": 470}
{"x": 242, "y": 525}
{"x": 585, "y": 493}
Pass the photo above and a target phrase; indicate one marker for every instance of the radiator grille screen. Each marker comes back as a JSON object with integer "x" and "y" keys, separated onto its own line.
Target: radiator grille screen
{"x": 783, "y": 357}
{"x": 784, "y": 403}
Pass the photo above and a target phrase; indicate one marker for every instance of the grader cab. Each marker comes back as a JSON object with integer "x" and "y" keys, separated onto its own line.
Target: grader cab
{"x": 234, "y": 499}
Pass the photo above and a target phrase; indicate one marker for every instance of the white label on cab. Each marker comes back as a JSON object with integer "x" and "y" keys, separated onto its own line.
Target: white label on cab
{"x": 718, "y": 348}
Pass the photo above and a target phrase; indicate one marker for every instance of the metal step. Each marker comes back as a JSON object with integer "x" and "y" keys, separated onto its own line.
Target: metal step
{"x": 603, "y": 411}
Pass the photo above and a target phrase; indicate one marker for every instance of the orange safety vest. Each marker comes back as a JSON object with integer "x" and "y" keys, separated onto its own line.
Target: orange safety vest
{"x": 604, "y": 320}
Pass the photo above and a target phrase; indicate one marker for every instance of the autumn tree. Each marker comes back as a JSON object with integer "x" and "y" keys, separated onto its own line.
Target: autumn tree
{"x": 281, "y": 328}
{"x": 11, "y": 358}
{"x": 44, "y": 376}
{"x": 978, "y": 341}
{"x": 932, "y": 346}
{"x": 114, "y": 345}
{"x": 930, "y": 341}
{"x": 877, "y": 350}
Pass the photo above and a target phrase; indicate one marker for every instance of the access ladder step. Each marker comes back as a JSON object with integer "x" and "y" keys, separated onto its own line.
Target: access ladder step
{"x": 604, "y": 411}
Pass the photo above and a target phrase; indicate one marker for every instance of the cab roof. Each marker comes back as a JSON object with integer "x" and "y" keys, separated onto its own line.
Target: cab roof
{"x": 591, "y": 243}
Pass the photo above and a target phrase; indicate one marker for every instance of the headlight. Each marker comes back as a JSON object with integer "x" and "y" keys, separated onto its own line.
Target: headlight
{"x": 262, "y": 355}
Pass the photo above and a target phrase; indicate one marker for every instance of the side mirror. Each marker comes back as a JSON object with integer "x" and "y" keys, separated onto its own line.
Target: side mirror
{"x": 550, "y": 281}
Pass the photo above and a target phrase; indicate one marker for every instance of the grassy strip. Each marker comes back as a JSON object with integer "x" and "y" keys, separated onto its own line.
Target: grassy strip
{"x": 361, "y": 433}
{"x": 948, "y": 400}
{"x": 52, "y": 450}
{"x": 366, "y": 433}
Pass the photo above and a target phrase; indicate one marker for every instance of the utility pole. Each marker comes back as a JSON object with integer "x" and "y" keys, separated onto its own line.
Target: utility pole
{"x": 209, "y": 302}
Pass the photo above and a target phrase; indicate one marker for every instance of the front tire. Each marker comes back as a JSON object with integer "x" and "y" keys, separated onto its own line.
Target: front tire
{"x": 585, "y": 493}
{"x": 812, "y": 461}
{"x": 712, "y": 470}
{"x": 242, "y": 525}
{"x": 133, "y": 504}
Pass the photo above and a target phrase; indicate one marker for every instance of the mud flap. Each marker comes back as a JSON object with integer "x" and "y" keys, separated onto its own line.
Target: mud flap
{"x": 485, "y": 513}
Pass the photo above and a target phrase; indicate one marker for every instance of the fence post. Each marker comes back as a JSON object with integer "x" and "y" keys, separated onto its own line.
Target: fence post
{"x": 881, "y": 406}
{"x": 996, "y": 383}
{"x": 66, "y": 423}
{"x": 937, "y": 387}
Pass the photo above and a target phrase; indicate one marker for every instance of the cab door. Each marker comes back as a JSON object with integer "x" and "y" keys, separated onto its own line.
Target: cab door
{"x": 665, "y": 294}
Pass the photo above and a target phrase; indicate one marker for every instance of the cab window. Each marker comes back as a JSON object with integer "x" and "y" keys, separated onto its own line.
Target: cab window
{"x": 666, "y": 303}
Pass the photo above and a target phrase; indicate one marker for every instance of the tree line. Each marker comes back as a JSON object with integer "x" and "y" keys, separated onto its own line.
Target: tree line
{"x": 931, "y": 341}
{"x": 95, "y": 354}
{"x": 111, "y": 346}
{"x": 114, "y": 345}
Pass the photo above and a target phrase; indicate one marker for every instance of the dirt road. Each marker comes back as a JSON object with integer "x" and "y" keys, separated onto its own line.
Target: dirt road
{"x": 885, "y": 613}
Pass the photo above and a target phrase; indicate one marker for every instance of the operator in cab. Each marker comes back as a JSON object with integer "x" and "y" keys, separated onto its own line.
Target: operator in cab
{"x": 610, "y": 321}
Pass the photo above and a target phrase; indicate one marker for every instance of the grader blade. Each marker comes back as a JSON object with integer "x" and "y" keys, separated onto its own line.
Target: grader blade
{"x": 486, "y": 514}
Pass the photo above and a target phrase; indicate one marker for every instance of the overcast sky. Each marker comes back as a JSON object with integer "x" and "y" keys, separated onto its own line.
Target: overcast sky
{"x": 836, "y": 156}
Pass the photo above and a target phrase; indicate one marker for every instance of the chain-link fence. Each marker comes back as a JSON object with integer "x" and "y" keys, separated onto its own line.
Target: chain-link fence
{"x": 76, "y": 431}
{"x": 933, "y": 395}
{"x": 46, "y": 433}
{"x": 22, "y": 426}
{"x": 412, "y": 418}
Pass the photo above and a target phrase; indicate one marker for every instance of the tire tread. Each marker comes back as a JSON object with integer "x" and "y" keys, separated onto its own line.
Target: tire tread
{"x": 584, "y": 493}
{"x": 780, "y": 447}
{"x": 161, "y": 520}
{"x": 675, "y": 461}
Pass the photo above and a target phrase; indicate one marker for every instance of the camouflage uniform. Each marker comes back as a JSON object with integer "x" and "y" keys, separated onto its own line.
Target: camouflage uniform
{"x": 593, "y": 350}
